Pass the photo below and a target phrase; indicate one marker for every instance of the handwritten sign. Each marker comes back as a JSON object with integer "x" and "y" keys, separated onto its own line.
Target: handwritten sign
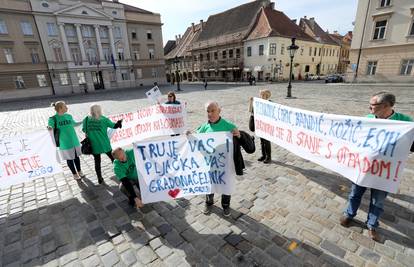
{"x": 180, "y": 166}
{"x": 152, "y": 121}
{"x": 27, "y": 157}
{"x": 154, "y": 94}
{"x": 370, "y": 152}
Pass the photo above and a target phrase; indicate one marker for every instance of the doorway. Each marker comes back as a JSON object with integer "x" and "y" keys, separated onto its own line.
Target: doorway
{"x": 97, "y": 78}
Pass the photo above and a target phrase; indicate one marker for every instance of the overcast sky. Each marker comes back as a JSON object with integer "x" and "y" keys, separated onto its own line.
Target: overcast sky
{"x": 177, "y": 15}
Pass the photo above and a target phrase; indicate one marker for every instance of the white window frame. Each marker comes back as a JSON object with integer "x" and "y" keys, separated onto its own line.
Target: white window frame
{"x": 372, "y": 68}
{"x": 107, "y": 54}
{"x": 411, "y": 28}
{"x": 149, "y": 35}
{"x": 41, "y": 80}
{"x": 117, "y": 32}
{"x": 57, "y": 51}
{"x": 154, "y": 72}
{"x": 8, "y": 54}
{"x": 70, "y": 31}
{"x": 249, "y": 51}
{"x": 139, "y": 73}
{"x": 408, "y": 65}
{"x": 136, "y": 55}
{"x": 87, "y": 31}
{"x": 121, "y": 55}
{"x": 125, "y": 75}
{"x": 3, "y": 27}
{"x": 151, "y": 53}
{"x": 261, "y": 50}
{"x": 34, "y": 54}
{"x": 81, "y": 78}
{"x": 19, "y": 82}
{"x": 26, "y": 28}
{"x": 384, "y": 3}
{"x": 384, "y": 28}
{"x": 63, "y": 78}
{"x": 92, "y": 56}
{"x": 51, "y": 29}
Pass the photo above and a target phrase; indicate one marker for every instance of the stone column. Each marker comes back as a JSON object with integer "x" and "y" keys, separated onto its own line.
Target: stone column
{"x": 99, "y": 43}
{"x": 65, "y": 42}
{"x": 80, "y": 41}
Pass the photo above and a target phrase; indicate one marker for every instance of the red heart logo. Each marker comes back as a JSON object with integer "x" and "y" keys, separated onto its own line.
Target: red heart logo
{"x": 174, "y": 193}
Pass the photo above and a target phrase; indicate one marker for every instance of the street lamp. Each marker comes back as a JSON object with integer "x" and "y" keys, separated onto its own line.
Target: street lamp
{"x": 177, "y": 75}
{"x": 292, "y": 50}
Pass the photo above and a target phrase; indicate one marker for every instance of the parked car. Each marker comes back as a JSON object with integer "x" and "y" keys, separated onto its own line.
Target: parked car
{"x": 333, "y": 78}
{"x": 311, "y": 77}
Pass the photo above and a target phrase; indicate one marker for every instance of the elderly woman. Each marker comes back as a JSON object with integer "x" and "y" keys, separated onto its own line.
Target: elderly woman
{"x": 95, "y": 127}
{"x": 67, "y": 141}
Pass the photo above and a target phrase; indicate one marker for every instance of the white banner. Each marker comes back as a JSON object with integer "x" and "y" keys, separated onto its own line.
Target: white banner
{"x": 180, "y": 166}
{"x": 152, "y": 121}
{"x": 370, "y": 152}
{"x": 27, "y": 157}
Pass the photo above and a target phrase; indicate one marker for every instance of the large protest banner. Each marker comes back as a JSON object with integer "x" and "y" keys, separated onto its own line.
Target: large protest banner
{"x": 156, "y": 120}
{"x": 175, "y": 167}
{"x": 369, "y": 152}
{"x": 27, "y": 157}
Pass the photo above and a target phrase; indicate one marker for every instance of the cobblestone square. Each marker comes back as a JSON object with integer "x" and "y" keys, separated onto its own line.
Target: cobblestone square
{"x": 283, "y": 214}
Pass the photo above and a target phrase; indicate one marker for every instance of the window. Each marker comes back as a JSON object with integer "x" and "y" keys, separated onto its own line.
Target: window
{"x": 58, "y": 54}
{"x": 384, "y": 3}
{"x": 134, "y": 35}
{"x": 91, "y": 54}
{"x": 26, "y": 28}
{"x": 310, "y": 51}
{"x": 41, "y": 80}
{"x": 84, "y": 12}
{"x": 238, "y": 53}
{"x": 272, "y": 49}
{"x": 379, "y": 32}
{"x": 51, "y": 29}
{"x": 69, "y": 31}
{"x": 87, "y": 31}
{"x": 121, "y": 54}
{"x": 231, "y": 53}
{"x": 411, "y": 31}
{"x": 81, "y": 77}
{"x": 261, "y": 50}
{"x": 63, "y": 77}
{"x": 319, "y": 52}
{"x": 154, "y": 73}
{"x": 19, "y": 82}
{"x": 34, "y": 54}
{"x": 136, "y": 54}
{"x": 139, "y": 73}
{"x": 282, "y": 49}
{"x": 107, "y": 55}
{"x": 3, "y": 27}
{"x": 118, "y": 32}
{"x": 151, "y": 53}
{"x": 372, "y": 67}
{"x": 149, "y": 35}
{"x": 201, "y": 58}
{"x": 112, "y": 76}
{"x": 207, "y": 56}
{"x": 224, "y": 54}
{"x": 76, "y": 57}
{"x": 8, "y": 53}
{"x": 249, "y": 51}
{"x": 301, "y": 51}
{"x": 125, "y": 75}
{"x": 314, "y": 52}
{"x": 103, "y": 32}
{"x": 406, "y": 66}
{"x": 215, "y": 55}
{"x": 114, "y": 12}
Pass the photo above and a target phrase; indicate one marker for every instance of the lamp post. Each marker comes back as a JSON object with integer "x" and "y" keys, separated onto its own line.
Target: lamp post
{"x": 292, "y": 50}
{"x": 177, "y": 75}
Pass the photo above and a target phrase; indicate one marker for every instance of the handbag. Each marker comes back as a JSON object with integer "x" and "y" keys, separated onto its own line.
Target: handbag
{"x": 251, "y": 123}
{"x": 86, "y": 146}
{"x": 56, "y": 132}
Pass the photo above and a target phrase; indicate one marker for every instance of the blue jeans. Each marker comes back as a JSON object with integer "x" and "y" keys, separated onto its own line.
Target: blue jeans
{"x": 375, "y": 206}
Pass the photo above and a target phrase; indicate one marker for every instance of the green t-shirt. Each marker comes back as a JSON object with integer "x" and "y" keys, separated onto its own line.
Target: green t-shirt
{"x": 396, "y": 116}
{"x": 126, "y": 169}
{"x": 97, "y": 133}
{"x": 67, "y": 135}
{"x": 220, "y": 126}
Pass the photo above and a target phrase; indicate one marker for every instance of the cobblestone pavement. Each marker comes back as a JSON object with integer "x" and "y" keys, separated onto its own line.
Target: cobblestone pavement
{"x": 283, "y": 214}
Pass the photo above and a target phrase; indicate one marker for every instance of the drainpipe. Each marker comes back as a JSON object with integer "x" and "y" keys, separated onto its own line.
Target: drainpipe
{"x": 362, "y": 40}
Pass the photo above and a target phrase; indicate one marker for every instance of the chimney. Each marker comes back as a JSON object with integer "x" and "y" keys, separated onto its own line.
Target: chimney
{"x": 176, "y": 39}
{"x": 294, "y": 21}
{"x": 305, "y": 17}
{"x": 201, "y": 24}
{"x": 193, "y": 27}
{"x": 312, "y": 19}
{"x": 336, "y": 32}
{"x": 272, "y": 5}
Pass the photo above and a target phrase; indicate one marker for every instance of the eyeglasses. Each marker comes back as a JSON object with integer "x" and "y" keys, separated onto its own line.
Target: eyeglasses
{"x": 376, "y": 104}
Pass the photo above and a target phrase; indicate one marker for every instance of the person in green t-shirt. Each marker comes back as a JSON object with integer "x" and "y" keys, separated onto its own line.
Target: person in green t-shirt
{"x": 381, "y": 106}
{"x": 95, "y": 127}
{"x": 69, "y": 146}
{"x": 217, "y": 124}
{"x": 126, "y": 172}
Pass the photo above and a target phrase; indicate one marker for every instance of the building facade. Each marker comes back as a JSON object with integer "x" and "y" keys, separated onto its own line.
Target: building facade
{"x": 23, "y": 70}
{"x": 382, "y": 48}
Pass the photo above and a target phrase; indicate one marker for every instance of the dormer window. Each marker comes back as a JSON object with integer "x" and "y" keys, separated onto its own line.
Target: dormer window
{"x": 84, "y": 12}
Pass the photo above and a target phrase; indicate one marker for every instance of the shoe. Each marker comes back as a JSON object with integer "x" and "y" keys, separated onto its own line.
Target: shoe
{"x": 100, "y": 180}
{"x": 76, "y": 177}
{"x": 372, "y": 233}
{"x": 81, "y": 175}
{"x": 207, "y": 209}
{"x": 267, "y": 161}
{"x": 226, "y": 212}
{"x": 261, "y": 158}
{"x": 345, "y": 221}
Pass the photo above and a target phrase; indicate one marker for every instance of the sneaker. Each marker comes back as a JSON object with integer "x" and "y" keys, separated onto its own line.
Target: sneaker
{"x": 81, "y": 175}
{"x": 207, "y": 209}
{"x": 345, "y": 221}
{"x": 76, "y": 177}
{"x": 261, "y": 158}
{"x": 226, "y": 212}
{"x": 100, "y": 180}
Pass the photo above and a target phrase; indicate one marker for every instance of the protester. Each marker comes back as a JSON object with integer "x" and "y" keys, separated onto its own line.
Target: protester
{"x": 172, "y": 99}
{"x": 126, "y": 172}
{"x": 68, "y": 142}
{"x": 382, "y": 107}
{"x": 265, "y": 144}
{"x": 205, "y": 84}
{"x": 217, "y": 124}
{"x": 95, "y": 127}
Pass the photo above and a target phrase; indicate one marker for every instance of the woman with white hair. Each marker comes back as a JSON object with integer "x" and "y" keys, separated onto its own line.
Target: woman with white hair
{"x": 95, "y": 127}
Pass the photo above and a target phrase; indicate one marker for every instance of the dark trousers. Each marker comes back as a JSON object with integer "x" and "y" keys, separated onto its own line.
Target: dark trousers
{"x": 225, "y": 200}
{"x": 266, "y": 148}
{"x": 127, "y": 188}
{"x": 97, "y": 158}
{"x": 74, "y": 163}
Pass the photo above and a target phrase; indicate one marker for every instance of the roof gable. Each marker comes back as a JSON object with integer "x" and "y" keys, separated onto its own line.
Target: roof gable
{"x": 319, "y": 34}
{"x": 82, "y": 10}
